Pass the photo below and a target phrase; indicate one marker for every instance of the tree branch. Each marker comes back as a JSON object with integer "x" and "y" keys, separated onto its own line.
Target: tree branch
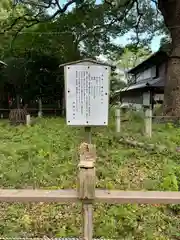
{"x": 107, "y": 25}
{"x": 155, "y": 2}
{"x": 14, "y": 23}
{"x": 34, "y": 20}
{"x": 57, "y": 2}
{"x": 138, "y": 21}
{"x": 34, "y": 4}
{"x": 121, "y": 4}
{"x": 61, "y": 10}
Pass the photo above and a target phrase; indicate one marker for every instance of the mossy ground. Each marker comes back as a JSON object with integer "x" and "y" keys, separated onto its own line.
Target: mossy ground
{"x": 45, "y": 156}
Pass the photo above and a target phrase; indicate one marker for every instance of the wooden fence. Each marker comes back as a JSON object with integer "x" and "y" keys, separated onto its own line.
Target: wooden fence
{"x": 87, "y": 193}
{"x": 4, "y": 112}
{"x": 148, "y": 120}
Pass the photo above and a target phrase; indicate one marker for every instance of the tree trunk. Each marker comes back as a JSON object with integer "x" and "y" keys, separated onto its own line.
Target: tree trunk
{"x": 170, "y": 10}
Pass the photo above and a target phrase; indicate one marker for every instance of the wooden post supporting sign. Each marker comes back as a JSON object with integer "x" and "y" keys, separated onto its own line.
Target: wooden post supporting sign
{"x": 86, "y": 186}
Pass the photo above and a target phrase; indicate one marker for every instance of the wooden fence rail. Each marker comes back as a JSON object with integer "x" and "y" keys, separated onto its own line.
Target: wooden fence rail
{"x": 87, "y": 194}
{"x": 103, "y": 196}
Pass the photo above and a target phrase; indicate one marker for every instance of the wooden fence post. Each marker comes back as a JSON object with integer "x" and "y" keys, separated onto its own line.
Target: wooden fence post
{"x": 28, "y": 119}
{"x": 148, "y": 122}
{"x": 118, "y": 120}
{"x": 40, "y": 107}
{"x": 86, "y": 187}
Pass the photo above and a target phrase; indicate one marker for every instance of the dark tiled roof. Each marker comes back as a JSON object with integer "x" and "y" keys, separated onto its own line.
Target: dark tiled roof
{"x": 158, "y": 82}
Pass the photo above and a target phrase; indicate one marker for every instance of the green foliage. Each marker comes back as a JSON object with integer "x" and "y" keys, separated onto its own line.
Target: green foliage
{"x": 116, "y": 82}
{"x": 132, "y": 56}
{"x": 165, "y": 44}
{"x": 170, "y": 183}
{"x": 45, "y": 156}
{"x": 34, "y": 55}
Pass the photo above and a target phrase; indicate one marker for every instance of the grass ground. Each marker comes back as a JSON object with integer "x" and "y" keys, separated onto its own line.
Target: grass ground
{"x": 45, "y": 156}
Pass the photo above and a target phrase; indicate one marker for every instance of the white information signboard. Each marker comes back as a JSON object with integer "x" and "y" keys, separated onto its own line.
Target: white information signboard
{"x": 87, "y": 95}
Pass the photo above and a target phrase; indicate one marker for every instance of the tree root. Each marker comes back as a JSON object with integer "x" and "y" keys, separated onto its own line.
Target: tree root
{"x": 146, "y": 146}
